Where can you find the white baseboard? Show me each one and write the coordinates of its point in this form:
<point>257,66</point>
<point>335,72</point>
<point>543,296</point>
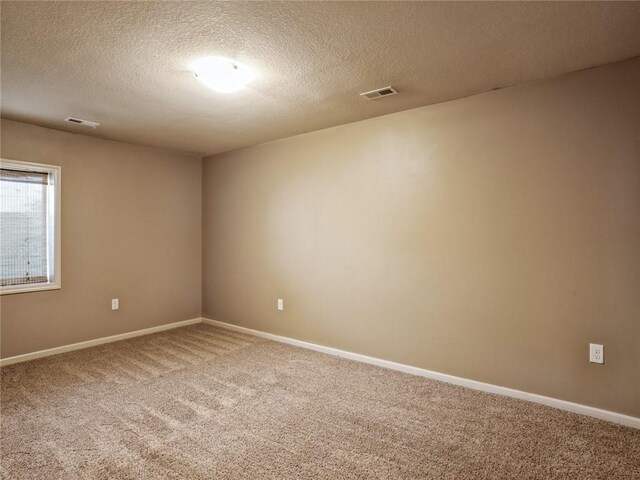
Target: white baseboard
<point>92,343</point>
<point>607,415</point>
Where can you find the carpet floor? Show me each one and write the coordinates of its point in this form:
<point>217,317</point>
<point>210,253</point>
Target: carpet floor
<point>204,403</point>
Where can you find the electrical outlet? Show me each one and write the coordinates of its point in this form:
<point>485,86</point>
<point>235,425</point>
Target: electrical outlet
<point>115,304</point>
<point>596,353</point>
<point>280,304</point>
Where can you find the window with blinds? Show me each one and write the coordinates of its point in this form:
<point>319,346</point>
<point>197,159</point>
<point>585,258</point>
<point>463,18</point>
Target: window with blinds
<point>29,230</point>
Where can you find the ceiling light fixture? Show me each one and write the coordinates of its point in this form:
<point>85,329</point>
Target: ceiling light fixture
<point>221,74</point>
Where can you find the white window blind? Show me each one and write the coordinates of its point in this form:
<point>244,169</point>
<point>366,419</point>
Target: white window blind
<point>27,226</point>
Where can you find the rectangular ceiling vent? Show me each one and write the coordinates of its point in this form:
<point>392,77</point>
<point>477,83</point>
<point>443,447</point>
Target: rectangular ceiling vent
<point>379,92</point>
<point>79,121</point>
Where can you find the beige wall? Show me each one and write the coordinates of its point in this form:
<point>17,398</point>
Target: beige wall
<point>131,229</point>
<point>491,237</point>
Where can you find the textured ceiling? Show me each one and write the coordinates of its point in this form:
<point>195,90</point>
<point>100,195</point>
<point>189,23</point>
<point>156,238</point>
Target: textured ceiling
<point>124,64</point>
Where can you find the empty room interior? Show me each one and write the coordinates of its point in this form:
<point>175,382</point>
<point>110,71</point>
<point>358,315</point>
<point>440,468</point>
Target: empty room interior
<point>320,240</point>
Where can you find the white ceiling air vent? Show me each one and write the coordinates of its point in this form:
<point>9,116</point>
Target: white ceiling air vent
<point>79,121</point>
<point>379,92</point>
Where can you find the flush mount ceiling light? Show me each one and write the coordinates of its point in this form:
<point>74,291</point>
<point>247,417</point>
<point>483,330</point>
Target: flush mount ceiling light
<point>221,74</point>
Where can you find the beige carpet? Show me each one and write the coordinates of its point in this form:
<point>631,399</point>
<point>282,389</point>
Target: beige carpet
<point>204,403</point>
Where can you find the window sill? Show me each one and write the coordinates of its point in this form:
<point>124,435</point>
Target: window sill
<point>29,288</point>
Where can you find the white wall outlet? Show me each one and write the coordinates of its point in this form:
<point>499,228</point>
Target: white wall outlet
<point>596,353</point>
<point>115,304</point>
<point>280,304</point>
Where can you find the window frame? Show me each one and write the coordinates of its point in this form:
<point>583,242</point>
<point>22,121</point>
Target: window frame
<point>53,203</point>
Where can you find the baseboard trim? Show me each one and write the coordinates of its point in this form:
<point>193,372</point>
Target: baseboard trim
<point>607,415</point>
<point>601,414</point>
<point>92,343</point>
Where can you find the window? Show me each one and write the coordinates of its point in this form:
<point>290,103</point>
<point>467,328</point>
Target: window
<point>29,227</point>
